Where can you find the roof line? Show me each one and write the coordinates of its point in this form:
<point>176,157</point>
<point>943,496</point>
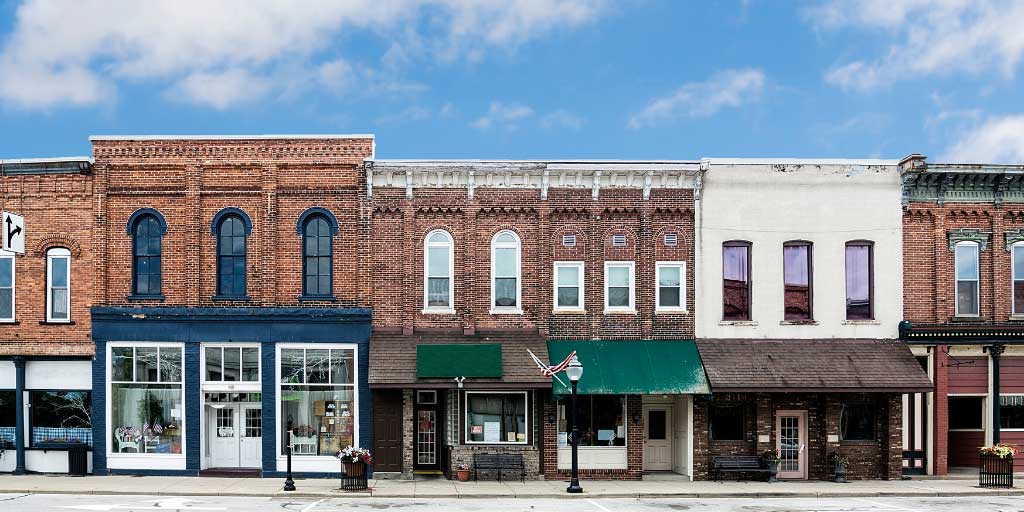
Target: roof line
<point>802,161</point>
<point>13,161</point>
<point>528,161</point>
<point>93,138</point>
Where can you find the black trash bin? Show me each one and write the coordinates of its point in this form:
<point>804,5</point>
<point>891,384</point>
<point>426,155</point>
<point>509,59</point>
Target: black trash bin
<point>78,460</point>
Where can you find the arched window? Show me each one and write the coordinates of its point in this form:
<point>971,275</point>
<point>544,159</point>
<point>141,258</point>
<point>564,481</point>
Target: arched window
<point>967,278</point>
<point>438,268</point>
<point>147,238</point>
<point>317,257</point>
<point>58,285</point>
<point>231,233</point>
<point>505,272</point>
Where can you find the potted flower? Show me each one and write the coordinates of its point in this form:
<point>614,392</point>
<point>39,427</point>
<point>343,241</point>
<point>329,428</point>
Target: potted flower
<point>839,464</point>
<point>772,459</point>
<point>462,472</point>
<point>996,465</point>
<point>354,460</point>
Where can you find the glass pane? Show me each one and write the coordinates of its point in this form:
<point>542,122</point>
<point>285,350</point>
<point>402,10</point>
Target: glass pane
<point>504,262</point>
<point>59,272</point>
<point>618,276</point>
<point>734,260</point>
<point>727,422</point>
<point>1018,297</point>
<point>967,297</point>
<point>600,419</point>
<point>7,303</point>
<point>291,366</point>
<point>967,261</point>
<point>121,362</point>
<point>6,272</point>
<point>317,366</point>
<point>437,292</point>
<point>656,425</point>
<point>311,246</point>
<point>324,268</point>
<point>618,297</point>
<point>232,363</point>
<point>437,238</point>
<point>857,422</point>
<point>324,245</point>
<point>496,418</point>
<point>669,297</point>
<point>213,364</point>
<point>60,417</point>
<point>796,264</point>
<point>858,282</point>
<point>438,261</point>
<point>966,412</point>
<point>568,276</point>
<point>324,285</point>
<point>238,245</point>
<point>154,245</point>
<point>568,297</point>
<point>668,276</point>
<point>342,367</point>
<point>320,418</point>
<point>311,284</point>
<point>312,266</point>
<point>250,364</point>
<point>505,238</point>
<point>59,306</point>
<point>146,364</point>
<point>505,292</point>
<point>146,418</point>
<point>170,364</point>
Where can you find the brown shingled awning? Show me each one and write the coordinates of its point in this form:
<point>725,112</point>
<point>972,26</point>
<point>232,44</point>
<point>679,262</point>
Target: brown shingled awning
<point>834,365</point>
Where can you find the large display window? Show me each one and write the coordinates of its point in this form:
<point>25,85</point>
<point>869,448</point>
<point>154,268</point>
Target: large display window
<point>146,406</point>
<point>496,417</point>
<point>60,418</point>
<point>600,418</point>
<point>317,398</point>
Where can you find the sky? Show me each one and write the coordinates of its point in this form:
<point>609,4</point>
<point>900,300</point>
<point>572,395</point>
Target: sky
<point>536,79</point>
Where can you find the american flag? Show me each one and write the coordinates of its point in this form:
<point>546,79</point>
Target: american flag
<point>553,370</point>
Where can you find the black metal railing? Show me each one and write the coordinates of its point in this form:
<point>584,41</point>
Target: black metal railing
<point>995,471</point>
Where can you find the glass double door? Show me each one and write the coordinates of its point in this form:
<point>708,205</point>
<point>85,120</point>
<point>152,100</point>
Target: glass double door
<point>235,435</point>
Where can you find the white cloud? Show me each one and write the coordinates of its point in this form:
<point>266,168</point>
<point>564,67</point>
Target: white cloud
<point>999,140</point>
<point>220,90</point>
<point>77,53</point>
<point>409,115</point>
<point>502,115</point>
<point>724,89</point>
<point>922,37</point>
<point>561,119</point>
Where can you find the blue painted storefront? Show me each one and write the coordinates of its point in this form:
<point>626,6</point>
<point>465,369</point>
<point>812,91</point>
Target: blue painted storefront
<point>195,326</point>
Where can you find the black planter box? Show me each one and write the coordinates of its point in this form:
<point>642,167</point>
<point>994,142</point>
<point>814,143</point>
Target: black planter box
<point>995,471</point>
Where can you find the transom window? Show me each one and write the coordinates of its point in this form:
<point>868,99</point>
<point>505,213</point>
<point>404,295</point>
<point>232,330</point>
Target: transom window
<point>232,364</point>
<point>505,272</point>
<point>619,290</point>
<point>568,285</point>
<point>146,254</point>
<point>58,285</point>
<point>438,268</point>
<point>736,281</point>
<point>671,291</point>
<point>859,280</point>
<point>1018,278</point>
<point>6,287</point>
<point>796,266</point>
<point>967,279</point>
<point>231,255</point>
<point>317,261</point>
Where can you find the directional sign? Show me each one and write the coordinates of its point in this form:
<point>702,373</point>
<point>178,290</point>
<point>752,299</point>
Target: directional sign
<point>14,232</point>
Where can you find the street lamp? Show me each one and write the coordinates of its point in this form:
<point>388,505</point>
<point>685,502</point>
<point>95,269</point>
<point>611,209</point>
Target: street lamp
<point>574,371</point>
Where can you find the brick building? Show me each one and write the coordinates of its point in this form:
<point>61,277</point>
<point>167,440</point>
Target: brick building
<point>45,293</point>
<point>472,263</point>
<point>963,250</point>
<point>228,309</point>
<point>799,283</point>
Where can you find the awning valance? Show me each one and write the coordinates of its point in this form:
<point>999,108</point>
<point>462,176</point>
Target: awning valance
<point>458,360</point>
<point>632,367</point>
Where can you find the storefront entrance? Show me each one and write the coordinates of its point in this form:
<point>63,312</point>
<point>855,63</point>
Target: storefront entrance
<point>427,431</point>
<point>658,437</point>
<point>234,431</point>
<point>791,441</point>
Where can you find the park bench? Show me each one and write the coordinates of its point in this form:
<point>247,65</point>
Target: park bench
<point>499,462</point>
<point>741,465</point>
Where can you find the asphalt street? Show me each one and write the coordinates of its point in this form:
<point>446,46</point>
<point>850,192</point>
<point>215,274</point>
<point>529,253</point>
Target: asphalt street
<point>69,503</point>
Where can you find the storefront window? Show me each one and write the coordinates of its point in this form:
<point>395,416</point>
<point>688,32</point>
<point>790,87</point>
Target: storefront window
<point>966,412</point>
<point>232,364</point>
<point>496,418</point>
<point>1011,411</point>
<point>8,409</point>
<point>318,401</point>
<point>146,399</point>
<point>600,419</point>
<point>727,422</point>
<point>61,417</point>
<point>857,422</point>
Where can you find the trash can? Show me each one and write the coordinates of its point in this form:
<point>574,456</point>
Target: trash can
<point>78,460</point>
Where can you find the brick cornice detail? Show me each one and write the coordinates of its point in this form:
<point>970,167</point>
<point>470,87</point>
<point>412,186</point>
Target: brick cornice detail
<point>61,240</point>
<point>968,235</point>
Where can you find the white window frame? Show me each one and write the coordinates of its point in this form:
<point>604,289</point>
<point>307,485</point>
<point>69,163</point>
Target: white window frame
<point>14,288</point>
<point>450,245</point>
<point>578,265</point>
<point>1013,299</point>
<point>52,254</point>
<point>234,385</point>
<point>465,413</point>
<point>518,246</point>
<point>156,458</point>
<point>681,265</point>
<point>956,278</point>
<point>1001,414</point>
<point>985,412</point>
<point>631,308</point>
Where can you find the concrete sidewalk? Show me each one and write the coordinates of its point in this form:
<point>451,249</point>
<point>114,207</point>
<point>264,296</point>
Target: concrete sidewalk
<point>207,486</point>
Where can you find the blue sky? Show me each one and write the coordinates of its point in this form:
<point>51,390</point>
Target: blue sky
<point>525,78</point>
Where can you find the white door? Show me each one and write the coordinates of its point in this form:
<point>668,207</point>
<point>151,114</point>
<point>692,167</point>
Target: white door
<point>658,438</point>
<point>224,437</point>
<point>791,441</point>
<point>251,442</point>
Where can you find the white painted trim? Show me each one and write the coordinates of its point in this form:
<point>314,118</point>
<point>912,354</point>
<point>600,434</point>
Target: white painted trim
<point>581,307</point>
<point>450,245</point>
<point>94,138</point>
<point>465,416</point>
<point>14,287</point>
<point>238,384</point>
<point>518,246</point>
<point>52,254</point>
<point>957,280</point>
<point>681,308</point>
<point>631,308</point>
<point>800,161</point>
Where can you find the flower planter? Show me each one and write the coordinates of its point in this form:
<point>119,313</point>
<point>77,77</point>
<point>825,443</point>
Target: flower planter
<point>839,473</point>
<point>462,475</point>
<point>995,471</point>
<point>773,471</point>
<point>354,468</point>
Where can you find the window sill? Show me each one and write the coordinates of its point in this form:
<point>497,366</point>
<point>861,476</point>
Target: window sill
<point>315,298</point>
<point>227,298</point>
<point>569,311</point>
<point>798,322</point>
<point>9,322</point>
<point>671,311</point>
<point>861,322</point>
<point>858,442</point>
<point>1016,318</point>
<point>738,323</point>
<point>160,298</point>
<point>509,311</point>
<point>56,322</point>
<point>967,318</point>
<point>437,311</point>
<point>619,311</point>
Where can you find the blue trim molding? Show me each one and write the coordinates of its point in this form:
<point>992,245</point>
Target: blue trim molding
<point>129,227</point>
<point>316,210</point>
<point>231,210</point>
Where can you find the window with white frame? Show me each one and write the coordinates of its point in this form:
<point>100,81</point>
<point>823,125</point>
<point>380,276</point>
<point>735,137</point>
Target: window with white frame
<point>505,272</point>
<point>146,407</point>
<point>1018,278</point>
<point>671,291</point>
<point>496,417</point>
<point>1011,412</point>
<point>318,398</point>
<point>6,287</point>
<point>568,285</point>
<point>619,292</point>
<point>232,364</point>
<point>438,269</point>
<point>58,285</point>
<point>967,279</point>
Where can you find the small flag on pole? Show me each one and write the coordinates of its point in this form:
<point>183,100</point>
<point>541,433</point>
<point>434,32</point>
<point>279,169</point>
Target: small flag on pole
<point>553,370</point>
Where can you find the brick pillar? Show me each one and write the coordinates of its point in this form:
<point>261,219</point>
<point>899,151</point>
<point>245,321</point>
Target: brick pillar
<point>634,437</point>
<point>765,422</point>
<point>894,448</point>
<point>408,421</point>
<point>469,295</point>
<point>940,427</point>
<point>645,272</point>
<point>701,434</point>
<point>832,412</point>
<point>195,220</point>
<point>409,243</point>
<point>549,462</point>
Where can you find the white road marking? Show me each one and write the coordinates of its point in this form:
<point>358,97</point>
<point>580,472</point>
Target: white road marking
<point>165,504</point>
<point>886,505</point>
<point>598,505</point>
<point>311,506</point>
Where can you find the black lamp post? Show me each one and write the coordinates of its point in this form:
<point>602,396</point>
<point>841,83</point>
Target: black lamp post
<point>574,371</point>
<point>289,484</point>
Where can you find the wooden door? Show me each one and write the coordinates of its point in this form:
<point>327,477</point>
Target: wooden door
<point>387,430</point>
<point>657,438</point>
<point>224,438</point>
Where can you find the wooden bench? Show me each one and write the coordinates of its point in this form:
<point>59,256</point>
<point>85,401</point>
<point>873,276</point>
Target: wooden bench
<point>739,464</point>
<point>499,462</point>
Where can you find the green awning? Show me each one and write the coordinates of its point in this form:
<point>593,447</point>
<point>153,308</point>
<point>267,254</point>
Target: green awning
<point>458,360</point>
<point>632,367</point>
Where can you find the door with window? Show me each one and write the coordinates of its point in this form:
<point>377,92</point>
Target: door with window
<point>791,441</point>
<point>250,444</point>
<point>427,431</point>
<point>224,438</point>
<point>657,438</point>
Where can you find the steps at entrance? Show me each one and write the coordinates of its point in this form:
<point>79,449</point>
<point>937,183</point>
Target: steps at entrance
<point>231,472</point>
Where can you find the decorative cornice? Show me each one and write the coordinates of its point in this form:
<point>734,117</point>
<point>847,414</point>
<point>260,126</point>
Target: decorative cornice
<point>1013,236</point>
<point>968,235</point>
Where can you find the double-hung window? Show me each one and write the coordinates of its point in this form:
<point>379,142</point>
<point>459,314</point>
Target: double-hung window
<point>58,285</point>
<point>796,270</point>
<point>147,239</point>
<point>859,280</point>
<point>670,294</point>
<point>6,287</point>
<point>506,273</point>
<point>438,269</point>
<point>619,289</point>
<point>1018,278</point>
<point>231,254</point>
<point>967,279</point>
<point>736,281</point>
<point>568,285</point>
<point>317,254</point>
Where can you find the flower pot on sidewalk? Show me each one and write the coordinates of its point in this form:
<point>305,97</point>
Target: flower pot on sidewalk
<point>839,464</point>
<point>996,466</point>
<point>354,468</point>
<point>462,475</point>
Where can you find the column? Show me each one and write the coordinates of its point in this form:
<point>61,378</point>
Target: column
<point>995,351</point>
<point>19,414</point>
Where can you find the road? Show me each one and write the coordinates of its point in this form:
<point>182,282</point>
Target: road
<point>70,503</point>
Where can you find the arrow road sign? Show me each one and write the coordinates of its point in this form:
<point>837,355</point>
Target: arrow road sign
<point>14,233</point>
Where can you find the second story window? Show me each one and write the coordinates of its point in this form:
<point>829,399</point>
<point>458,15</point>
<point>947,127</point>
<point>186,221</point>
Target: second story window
<point>317,258</point>
<point>619,292</point>
<point>58,285</point>
<point>231,257</point>
<point>7,288</point>
<point>736,281</point>
<point>670,295</point>
<point>859,281</point>
<point>1018,278</point>
<point>438,267</point>
<point>796,270</point>
<point>147,238</point>
<point>505,272</point>
<point>568,285</point>
<point>967,279</point>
